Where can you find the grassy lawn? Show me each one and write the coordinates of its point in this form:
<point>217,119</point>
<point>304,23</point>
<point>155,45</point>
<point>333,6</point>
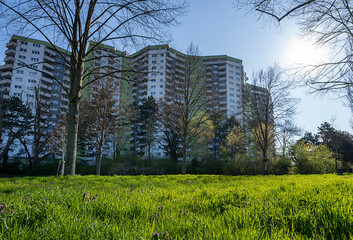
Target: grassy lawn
<point>177,207</point>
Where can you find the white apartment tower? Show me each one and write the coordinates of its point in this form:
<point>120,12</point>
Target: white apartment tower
<point>32,65</point>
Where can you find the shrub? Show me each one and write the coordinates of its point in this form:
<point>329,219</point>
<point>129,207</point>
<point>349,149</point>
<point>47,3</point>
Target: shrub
<point>281,166</point>
<point>309,158</point>
<point>242,166</point>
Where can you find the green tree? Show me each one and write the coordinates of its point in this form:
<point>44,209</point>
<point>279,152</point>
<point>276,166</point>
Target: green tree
<point>235,144</point>
<point>17,122</point>
<point>221,130</point>
<point>147,126</point>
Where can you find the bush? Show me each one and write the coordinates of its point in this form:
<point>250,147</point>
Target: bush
<point>242,166</point>
<point>281,166</point>
<point>310,159</point>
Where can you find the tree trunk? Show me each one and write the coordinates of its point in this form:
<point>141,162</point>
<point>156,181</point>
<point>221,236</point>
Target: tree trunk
<point>99,161</point>
<point>5,157</point>
<point>184,155</point>
<point>62,160</point>
<point>72,123</point>
<point>72,131</point>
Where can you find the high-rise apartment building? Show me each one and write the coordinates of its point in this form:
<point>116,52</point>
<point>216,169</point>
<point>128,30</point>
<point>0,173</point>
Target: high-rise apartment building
<point>35,71</point>
<point>32,64</point>
<point>158,68</point>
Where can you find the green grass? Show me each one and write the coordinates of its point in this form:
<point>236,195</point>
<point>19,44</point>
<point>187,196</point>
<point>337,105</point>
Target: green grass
<point>186,207</point>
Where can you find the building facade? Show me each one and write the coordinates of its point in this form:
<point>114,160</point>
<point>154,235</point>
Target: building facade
<point>36,72</point>
<point>32,65</point>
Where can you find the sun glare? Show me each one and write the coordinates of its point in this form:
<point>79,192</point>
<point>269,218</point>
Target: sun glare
<point>304,52</point>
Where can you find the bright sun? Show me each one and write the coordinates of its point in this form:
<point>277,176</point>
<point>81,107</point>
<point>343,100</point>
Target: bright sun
<point>304,52</point>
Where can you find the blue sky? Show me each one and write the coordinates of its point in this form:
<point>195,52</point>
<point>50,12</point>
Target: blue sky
<point>218,28</point>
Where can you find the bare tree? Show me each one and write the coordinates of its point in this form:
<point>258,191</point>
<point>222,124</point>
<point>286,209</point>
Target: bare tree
<point>99,116</point>
<point>266,104</point>
<point>57,142</point>
<point>43,124</point>
<point>76,23</point>
<point>287,130</point>
<point>188,107</point>
<point>330,23</point>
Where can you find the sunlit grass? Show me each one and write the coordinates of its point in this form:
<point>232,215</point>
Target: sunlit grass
<point>177,207</point>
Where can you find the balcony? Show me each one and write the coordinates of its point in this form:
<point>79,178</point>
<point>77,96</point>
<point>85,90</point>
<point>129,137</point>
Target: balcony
<point>45,87</point>
<point>8,66</point>
<point>5,81</point>
<point>7,74</point>
<point>9,59</point>
<point>222,90</point>
<point>41,93</point>
<point>46,79</point>
<point>10,52</point>
<point>11,45</point>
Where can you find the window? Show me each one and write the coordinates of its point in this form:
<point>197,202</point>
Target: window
<point>162,55</point>
<point>35,59</point>
<point>17,94</point>
<point>55,101</point>
<point>33,66</point>
<point>153,68</point>
<point>231,72</point>
<point>53,108</point>
<point>30,88</point>
<point>231,83</point>
<point>237,73</point>
<point>36,52</point>
<point>238,84</point>
<point>154,55</point>
<point>161,86</point>
<point>22,57</point>
<point>153,80</point>
<point>231,95</point>
<point>21,64</point>
<point>162,61</point>
<point>231,100</point>
<point>32,81</point>
<point>162,73</point>
<point>153,93</point>
<point>23,50</point>
<point>238,96</point>
<point>20,71</point>
<point>36,45</point>
<point>18,86</point>
<point>230,77</point>
<point>154,61</point>
<point>32,73</point>
<point>19,79</point>
<point>24,43</point>
<point>30,95</point>
<point>232,106</point>
<point>161,93</point>
<point>55,95</point>
<point>56,87</point>
<point>238,90</point>
<point>153,86</point>
<point>231,89</point>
